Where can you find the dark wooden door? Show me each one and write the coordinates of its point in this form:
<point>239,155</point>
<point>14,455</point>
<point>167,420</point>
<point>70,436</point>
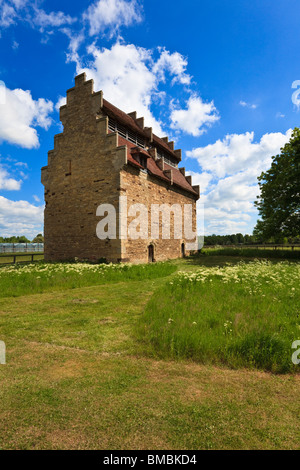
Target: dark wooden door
<point>150,253</point>
<point>182,250</point>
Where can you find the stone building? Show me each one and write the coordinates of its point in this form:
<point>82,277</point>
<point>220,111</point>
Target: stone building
<point>102,154</point>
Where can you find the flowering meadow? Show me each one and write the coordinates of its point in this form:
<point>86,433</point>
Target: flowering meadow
<point>243,315</point>
<point>81,366</point>
<point>16,280</point>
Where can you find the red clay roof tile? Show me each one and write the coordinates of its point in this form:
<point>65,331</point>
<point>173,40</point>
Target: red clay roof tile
<point>178,178</point>
<point>116,113</point>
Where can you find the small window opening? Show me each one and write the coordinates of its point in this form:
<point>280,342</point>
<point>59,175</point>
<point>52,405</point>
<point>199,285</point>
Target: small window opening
<point>69,168</point>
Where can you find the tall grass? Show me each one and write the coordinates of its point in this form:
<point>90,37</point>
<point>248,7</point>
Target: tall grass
<point>245,315</point>
<point>252,253</point>
<point>39,277</point>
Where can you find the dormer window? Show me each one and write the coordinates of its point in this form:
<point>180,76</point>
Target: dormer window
<point>141,159</point>
<point>167,158</point>
<point>140,156</point>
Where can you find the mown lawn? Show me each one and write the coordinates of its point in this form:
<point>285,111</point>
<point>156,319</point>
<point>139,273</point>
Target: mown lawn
<point>78,376</point>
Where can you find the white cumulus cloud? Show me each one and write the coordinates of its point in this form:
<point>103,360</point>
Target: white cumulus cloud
<point>129,76</point>
<point>124,74</point>
<point>112,14</point>
<point>60,102</point>
<point>7,14</point>
<point>53,19</point>
<point>173,63</point>
<point>20,218</point>
<point>7,183</point>
<point>20,114</point>
<point>204,180</point>
<point>15,11</point>
<point>234,164</point>
<point>239,151</point>
<point>195,119</point>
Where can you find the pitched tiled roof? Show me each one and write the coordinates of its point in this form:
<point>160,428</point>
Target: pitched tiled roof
<point>178,178</point>
<point>130,145</point>
<point>120,116</point>
<point>115,113</point>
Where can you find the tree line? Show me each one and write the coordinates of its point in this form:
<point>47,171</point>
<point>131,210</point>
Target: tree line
<point>279,200</point>
<point>240,239</point>
<point>22,239</point>
<point>278,204</point>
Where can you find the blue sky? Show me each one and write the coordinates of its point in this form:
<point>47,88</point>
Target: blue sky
<point>215,76</point>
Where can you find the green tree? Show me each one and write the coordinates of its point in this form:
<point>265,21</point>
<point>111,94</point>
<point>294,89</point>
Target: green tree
<point>15,239</point>
<point>38,239</point>
<point>279,202</point>
<point>22,239</point>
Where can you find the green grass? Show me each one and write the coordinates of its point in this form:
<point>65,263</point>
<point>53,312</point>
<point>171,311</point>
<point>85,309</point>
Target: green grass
<point>252,253</point>
<point>247,315</point>
<point>41,277</point>
<point>78,377</point>
<point>8,258</point>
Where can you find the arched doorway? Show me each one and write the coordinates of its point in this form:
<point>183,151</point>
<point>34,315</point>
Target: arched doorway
<point>150,253</point>
<point>182,250</point>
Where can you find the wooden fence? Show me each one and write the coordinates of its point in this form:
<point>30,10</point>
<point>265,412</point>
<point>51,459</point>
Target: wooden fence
<point>13,258</point>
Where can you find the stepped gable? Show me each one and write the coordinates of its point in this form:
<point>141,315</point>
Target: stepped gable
<point>101,154</point>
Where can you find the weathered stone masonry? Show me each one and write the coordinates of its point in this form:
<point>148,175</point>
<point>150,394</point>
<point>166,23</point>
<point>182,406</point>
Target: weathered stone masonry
<point>101,154</point>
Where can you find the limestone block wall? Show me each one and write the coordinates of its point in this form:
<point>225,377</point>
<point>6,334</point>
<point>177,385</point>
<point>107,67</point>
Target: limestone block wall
<point>141,188</point>
<point>87,168</point>
<point>83,171</point>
